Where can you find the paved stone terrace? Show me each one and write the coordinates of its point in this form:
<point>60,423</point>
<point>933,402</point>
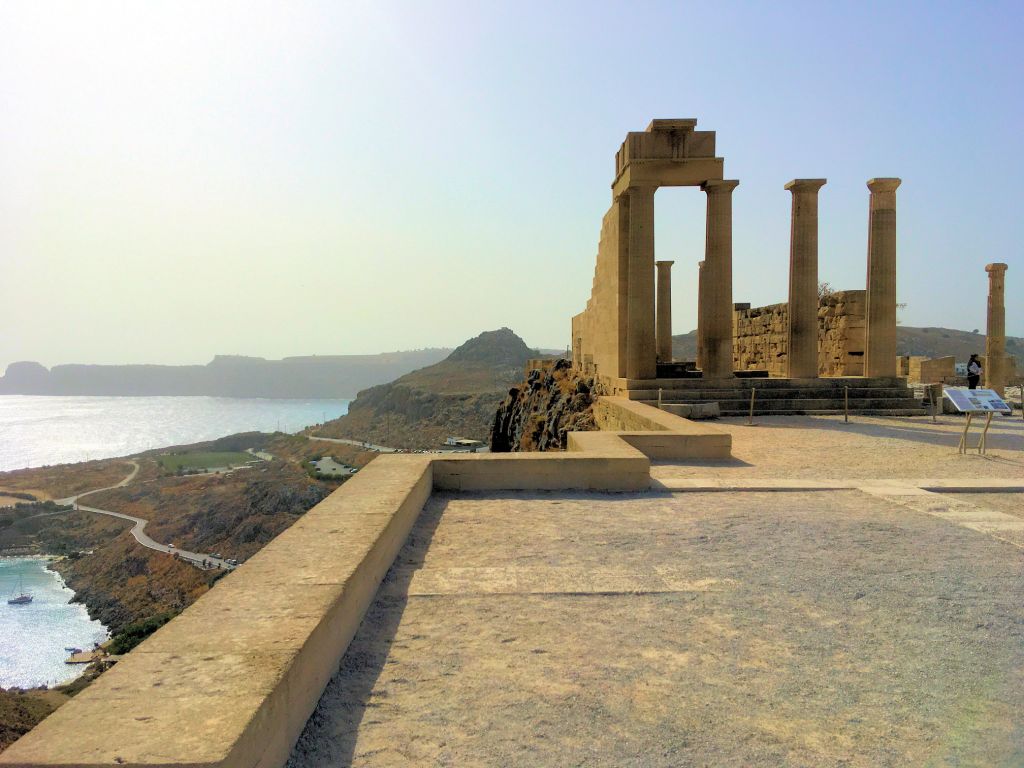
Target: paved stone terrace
<point>803,629</point>
<point>824,447</point>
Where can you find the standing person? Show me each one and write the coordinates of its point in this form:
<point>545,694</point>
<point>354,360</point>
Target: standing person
<point>973,372</point>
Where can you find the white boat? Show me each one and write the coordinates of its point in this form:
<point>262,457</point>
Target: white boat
<point>23,597</point>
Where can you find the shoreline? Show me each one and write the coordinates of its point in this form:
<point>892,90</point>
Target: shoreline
<point>47,561</point>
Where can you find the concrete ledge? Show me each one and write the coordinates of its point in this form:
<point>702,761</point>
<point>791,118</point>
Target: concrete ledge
<point>599,463</point>
<point>659,434</point>
<point>232,681</point>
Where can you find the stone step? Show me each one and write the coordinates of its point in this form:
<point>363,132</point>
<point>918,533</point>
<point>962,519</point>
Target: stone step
<point>834,412</point>
<point>807,404</point>
<point>764,383</point>
<point>696,395</point>
<point>732,410</point>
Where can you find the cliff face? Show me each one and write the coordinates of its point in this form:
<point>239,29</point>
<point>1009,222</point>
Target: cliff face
<point>224,376</point>
<point>455,397</point>
<point>538,413</point>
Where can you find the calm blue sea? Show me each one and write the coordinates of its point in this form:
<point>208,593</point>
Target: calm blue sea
<point>55,430</point>
<point>33,637</point>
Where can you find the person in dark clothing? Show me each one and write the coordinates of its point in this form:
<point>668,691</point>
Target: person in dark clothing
<point>973,372</point>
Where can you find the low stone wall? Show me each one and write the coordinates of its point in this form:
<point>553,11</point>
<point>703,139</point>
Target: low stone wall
<point>232,681</point>
<point>659,434</point>
<point>761,343</point>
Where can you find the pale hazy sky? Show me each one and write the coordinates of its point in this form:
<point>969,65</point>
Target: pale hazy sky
<point>183,179</point>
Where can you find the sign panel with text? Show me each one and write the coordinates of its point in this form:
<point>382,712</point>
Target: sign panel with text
<point>976,400</point>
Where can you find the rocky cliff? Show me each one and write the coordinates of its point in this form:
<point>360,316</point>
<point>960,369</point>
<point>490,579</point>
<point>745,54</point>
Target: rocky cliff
<point>539,412</point>
<point>455,397</point>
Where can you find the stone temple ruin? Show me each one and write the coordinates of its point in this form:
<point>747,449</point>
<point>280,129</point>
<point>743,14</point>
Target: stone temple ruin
<point>800,356</point>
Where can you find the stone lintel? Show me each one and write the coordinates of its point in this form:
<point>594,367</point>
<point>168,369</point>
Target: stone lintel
<point>673,124</point>
<point>997,267</point>
<point>805,185</point>
<point>686,172</point>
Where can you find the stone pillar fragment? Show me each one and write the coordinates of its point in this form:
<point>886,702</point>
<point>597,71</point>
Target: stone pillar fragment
<point>663,325</point>
<point>880,347</point>
<point>701,309</point>
<point>802,331</point>
<point>716,298</point>
<point>995,331</point>
<point>640,337</point>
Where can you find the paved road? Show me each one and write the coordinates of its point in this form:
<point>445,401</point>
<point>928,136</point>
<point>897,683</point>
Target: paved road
<point>359,443</point>
<point>139,529</point>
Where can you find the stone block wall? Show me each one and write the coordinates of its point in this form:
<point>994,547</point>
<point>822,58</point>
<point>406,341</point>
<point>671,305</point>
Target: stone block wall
<point>599,332</point>
<point>760,336</point>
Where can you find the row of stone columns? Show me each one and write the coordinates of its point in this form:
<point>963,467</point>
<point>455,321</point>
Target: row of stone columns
<point>649,335</point>
<point>880,348</point>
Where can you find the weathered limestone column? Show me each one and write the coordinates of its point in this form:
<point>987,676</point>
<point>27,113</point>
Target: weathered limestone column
<point>717,332</point>
<point>802,346</point>
<point>640,338</point>
<point>701,308</point>
<point>880,346</point>
<point>663,325</point>
<point>995,331</point>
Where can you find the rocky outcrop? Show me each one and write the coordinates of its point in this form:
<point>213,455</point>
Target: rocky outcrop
<point>453,398</point>
<point>539,413</point>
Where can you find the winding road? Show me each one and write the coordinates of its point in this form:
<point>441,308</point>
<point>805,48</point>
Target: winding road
<point>139,529</point>
<point>358,443</point>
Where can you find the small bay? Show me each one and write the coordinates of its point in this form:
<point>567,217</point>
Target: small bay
<point>33,637</point>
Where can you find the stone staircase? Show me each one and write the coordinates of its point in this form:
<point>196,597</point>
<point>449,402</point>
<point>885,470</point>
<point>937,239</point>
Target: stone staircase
<point>787,397</point>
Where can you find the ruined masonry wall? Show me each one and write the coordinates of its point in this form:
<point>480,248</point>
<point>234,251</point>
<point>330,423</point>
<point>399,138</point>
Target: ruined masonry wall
<point>599,332</point>
<point>760,336</point>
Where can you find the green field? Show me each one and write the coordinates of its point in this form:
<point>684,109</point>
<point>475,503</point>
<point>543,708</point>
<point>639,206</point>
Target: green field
<point>173,462</point>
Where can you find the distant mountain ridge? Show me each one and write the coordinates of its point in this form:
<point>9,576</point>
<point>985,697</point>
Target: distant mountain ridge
<point>455,397</point>
<point>329,376</point>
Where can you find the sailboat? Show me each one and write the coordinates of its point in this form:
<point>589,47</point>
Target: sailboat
<point>23,597</point>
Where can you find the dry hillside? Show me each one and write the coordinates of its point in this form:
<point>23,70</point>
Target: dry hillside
<point>456,397</point>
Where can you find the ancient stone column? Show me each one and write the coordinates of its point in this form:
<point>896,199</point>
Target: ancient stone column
<point>700,315</point>
<point>802,332</point>
<point>716,330</point>
<point>663,325</point>
<point>880,342</point>
<point>640,338</point>
<point>995,331</point>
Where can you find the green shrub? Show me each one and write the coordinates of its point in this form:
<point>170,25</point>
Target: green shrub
<point>135,633</point>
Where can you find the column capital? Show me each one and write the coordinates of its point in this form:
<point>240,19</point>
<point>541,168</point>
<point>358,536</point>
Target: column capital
<point>805,185</point>
<point>997,267</point>
<point>638,189</point>
<point>719,186</point>
<point>664,263</point>
<point>883,184</point>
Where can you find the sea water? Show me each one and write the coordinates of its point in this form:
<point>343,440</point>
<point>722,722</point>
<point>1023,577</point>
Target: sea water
<point>38,430</point>
<point>33,637</point>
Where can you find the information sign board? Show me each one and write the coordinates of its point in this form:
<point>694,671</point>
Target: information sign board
<point>976,400</point>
